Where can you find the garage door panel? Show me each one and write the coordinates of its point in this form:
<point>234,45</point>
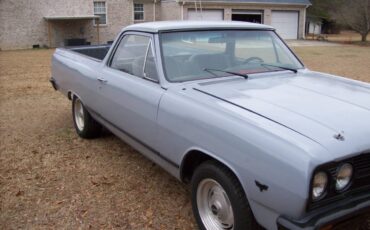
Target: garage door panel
<point>214,15</point>
<point>286,23</point>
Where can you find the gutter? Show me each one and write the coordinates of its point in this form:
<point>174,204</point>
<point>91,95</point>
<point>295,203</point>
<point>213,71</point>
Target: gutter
<point>244,3</point>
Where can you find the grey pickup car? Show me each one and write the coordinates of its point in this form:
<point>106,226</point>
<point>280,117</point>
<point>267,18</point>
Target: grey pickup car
<point>228,108</point>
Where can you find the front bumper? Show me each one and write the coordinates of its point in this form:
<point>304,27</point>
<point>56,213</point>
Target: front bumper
<point>328,216</point>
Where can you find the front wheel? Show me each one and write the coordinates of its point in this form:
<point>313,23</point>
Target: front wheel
<point>84,123</point>
<point>218,200</point>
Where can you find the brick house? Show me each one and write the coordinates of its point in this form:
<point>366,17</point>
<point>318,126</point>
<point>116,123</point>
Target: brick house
<point>54,23</point>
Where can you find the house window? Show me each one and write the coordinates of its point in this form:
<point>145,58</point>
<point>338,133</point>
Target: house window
<point>101,11</point>
<point>138,11</point>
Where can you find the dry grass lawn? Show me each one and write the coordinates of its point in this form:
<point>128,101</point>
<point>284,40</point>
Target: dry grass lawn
<point>345,36</point>
<point>344,60</point>
<point>50,178</point>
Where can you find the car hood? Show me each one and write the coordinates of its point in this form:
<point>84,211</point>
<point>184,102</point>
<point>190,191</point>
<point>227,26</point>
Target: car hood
<point>324,108</point>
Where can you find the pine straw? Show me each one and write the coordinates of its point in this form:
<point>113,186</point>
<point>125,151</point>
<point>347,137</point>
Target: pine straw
<point>50,178</point>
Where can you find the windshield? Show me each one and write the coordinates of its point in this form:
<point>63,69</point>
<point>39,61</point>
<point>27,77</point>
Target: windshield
<point>188,54</point>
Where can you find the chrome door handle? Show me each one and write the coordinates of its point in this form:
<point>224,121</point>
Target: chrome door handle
<point>102,80</point>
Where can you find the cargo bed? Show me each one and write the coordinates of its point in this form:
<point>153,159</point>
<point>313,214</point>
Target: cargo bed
<point>97,52</point>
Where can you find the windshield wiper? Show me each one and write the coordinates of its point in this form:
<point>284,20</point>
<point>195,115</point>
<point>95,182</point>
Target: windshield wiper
<point>224,71</point>
<point>281,67</point>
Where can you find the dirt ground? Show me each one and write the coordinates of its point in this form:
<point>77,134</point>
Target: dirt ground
<point>50,178</point>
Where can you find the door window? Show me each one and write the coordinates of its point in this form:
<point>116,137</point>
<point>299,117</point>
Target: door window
<point>150,70</point>
<point>134,56</point>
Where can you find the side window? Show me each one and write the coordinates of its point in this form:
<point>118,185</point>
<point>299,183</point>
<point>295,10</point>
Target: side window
<point>150,70</point>
<point>130,55</point>
<point>134,55</point>
<point>282,55</point>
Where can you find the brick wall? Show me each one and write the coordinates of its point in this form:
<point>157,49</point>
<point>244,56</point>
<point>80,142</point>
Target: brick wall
<point>23,23</point>
<point>170,10</point>
<point>119,14</point>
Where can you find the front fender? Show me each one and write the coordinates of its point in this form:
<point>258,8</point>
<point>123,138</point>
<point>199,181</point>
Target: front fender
<point>255,149</point>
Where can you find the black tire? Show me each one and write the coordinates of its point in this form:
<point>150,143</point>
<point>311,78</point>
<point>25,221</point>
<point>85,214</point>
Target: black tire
<point>243,216</point>
<point>91,128</point>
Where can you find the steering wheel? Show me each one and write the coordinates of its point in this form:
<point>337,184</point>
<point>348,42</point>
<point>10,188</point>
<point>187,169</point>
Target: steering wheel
<point>251,59</point>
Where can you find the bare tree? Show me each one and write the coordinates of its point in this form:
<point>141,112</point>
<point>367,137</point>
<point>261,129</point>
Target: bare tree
<point>353,13</point>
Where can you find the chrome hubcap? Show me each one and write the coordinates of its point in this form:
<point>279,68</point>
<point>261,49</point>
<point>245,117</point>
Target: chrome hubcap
<point>214,206</point>
<point>79,114</point>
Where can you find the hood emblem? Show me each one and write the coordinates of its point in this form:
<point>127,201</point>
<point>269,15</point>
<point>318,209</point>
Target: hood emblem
<point>339,136</point>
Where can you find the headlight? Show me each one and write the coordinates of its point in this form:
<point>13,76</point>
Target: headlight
<point>344,176</point>
<point>319,184</point>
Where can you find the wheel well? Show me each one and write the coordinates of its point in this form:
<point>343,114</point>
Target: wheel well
<point>195,158</point>
<point>191,161</point>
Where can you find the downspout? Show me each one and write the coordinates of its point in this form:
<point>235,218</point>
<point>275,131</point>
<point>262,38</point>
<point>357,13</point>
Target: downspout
<point>49,32</point>
<point>196,7</point>
<point>155,1</point>
<point>182,10</point>
<point>201,10</point>
<point>304,22</point>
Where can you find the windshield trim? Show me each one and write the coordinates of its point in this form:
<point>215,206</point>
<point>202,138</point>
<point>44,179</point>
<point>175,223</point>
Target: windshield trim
<point>219,29</point>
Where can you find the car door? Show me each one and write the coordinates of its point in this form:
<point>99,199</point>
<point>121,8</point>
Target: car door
<point>129,90</point>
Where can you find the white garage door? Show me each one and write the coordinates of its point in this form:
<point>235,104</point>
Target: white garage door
<point>206,15</point>
<point>286,23</point>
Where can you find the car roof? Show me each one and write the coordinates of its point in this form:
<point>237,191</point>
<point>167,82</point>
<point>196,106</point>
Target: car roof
<point>155,27</point>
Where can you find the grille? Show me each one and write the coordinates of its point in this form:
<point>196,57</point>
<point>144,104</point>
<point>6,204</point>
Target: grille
<point>362,166</point>
<point>360,183</point>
